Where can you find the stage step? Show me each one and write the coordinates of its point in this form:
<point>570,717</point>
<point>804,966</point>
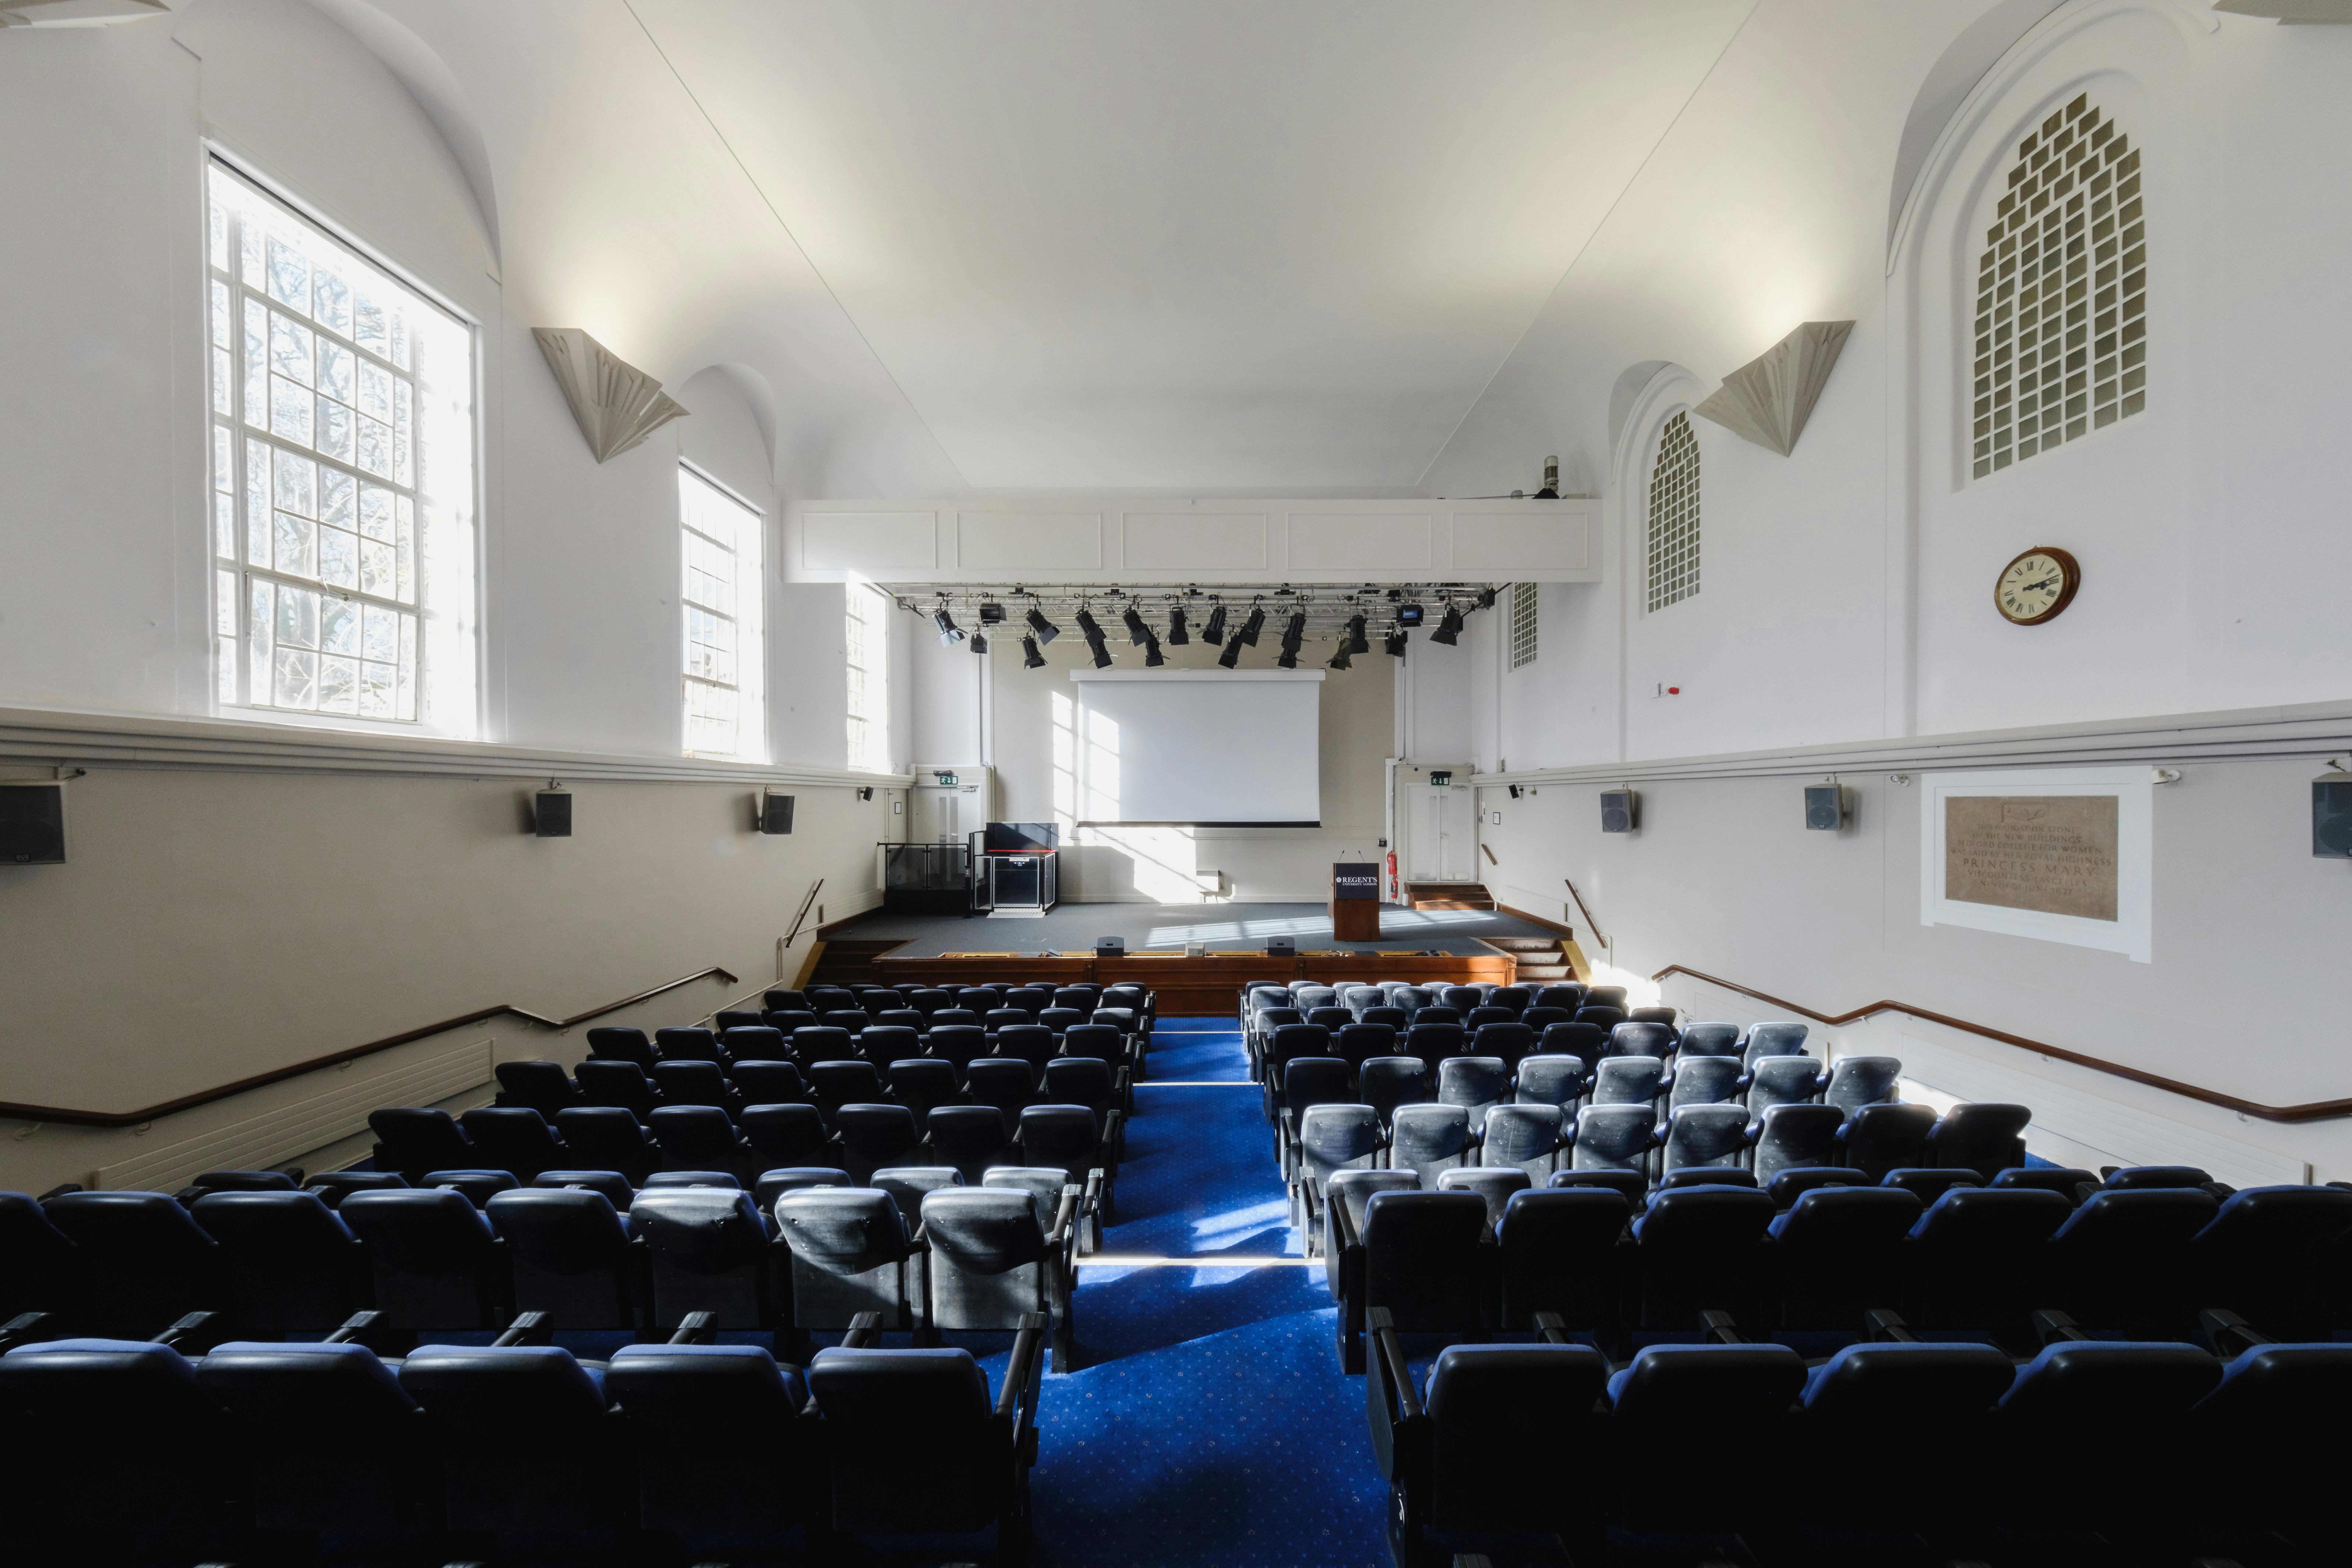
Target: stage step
<point>1544,973</point>
<point>850,963</point>
<point>1447,896</point>
<point>1524,943</point>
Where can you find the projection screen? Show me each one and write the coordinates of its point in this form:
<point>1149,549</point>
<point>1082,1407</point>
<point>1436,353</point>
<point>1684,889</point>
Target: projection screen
<point>1198,748</point>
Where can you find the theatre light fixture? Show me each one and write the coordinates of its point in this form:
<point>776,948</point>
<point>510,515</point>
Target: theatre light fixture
<point>1176,633</point>
<point>1340,658</point>
<point>979,643</point>
<point>1287,658</point>
<point>950,633</point>
<point>1046,630</point>
<point>1233,654</point>
<point>1030,658</point>
<point>1214,632</point>
<point>1102,655</point>
<point>1137,632</point>
<point>1152,657</point>
<point>1356,642</point>
<point>1252,627</point>
<point>1394,642</point>
<point>1450,627</point>
<point>1294,632</point>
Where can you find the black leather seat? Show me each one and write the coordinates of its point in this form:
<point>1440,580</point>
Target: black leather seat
<point>822,1042</point>
<point>75,1491</point>
<point>1793,1136</point>
<point>2271,1400</point>
<point>1885,1137</point>
<point>1744,1388</point>
<point>1703,1137</point>
<point>700,1138</point>
<point>621,1044</point>
<point>342,1402</point>
<point>1290,1042</point>
<point>960,1045</point>
<point>2076,1386</point>
<point>995,1259</point>
<point>1560,1250</point>
<point>1631,1039</point>
<point>833,1084</point>
<point>783,1134</point>
<point>1546,1080</point>
<point>1696,1040</point>
<point>1069,1138</point>
<point>922,1085</point>
<point>1331,1138</point>
<point>727,1018</point>
<point>570,1253</point>
<point>851,1252</point>
<point>708,1252</point>
<point>1357,1044</point>
<point>2273,1255</point>
<point>1527,1136</point>
<point>1984,1138</point>
<point>1386,1082</point>
<point>1031,1043</point>
<point>437,1264</point>
<point>694,1082</point>
<point>780,999</point>
<point>612,1183</point>
<point>688,1045</point>
<point>1477,1018</point>
<point>1429,1141</point>
<point>766,1081</point>
<point>718,1439</point>
<point>1980,1259</point>
<point>1495,1187</point>
<point>1616,1138</point>
<point>1088,1082</point>
<point>40,1270</point>
<point>514,1424</point>
<point>1434,1043</point>
<point>1423,1262</point>
<point>883,1043</point>
<point>331,1187</point>
<point>293,1266</point>
<point>1698,1249</point>
<point>616,1086</point>
<point>608,1138</point>
<point>1510,1041</point>
<point>2120,1262</point>
<point>789,1021</point>
<point>1836,1253</point>
<point>540,1085</point>
<point>476,1182</point>
<point>514,1139</point>
<point>1476,1084</point>
<point>972,1137</point>
<point>1896,1412</point>
<point>413,1140</point>
<point>872,1136</point>
<point>1928,1182</point>
<point>150,1264</point>
<point>1857,1081</point>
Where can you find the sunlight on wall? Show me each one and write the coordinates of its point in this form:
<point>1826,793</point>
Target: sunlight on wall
<point>1066,767</point>
<point>1164,858</point>
<point>1641,990</point>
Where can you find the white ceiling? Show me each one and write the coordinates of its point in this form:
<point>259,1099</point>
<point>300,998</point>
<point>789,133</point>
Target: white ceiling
<point>1191,245</point>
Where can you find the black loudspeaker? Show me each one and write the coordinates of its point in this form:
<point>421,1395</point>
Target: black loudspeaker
<point>2331,818</point>
<point>1621,811</point>
<point>551,815</point>
<point>32,824</point>
<point>1110,947</point>
<point>775,813</point>
<point>1281,947</point>
<point>1824,807</point>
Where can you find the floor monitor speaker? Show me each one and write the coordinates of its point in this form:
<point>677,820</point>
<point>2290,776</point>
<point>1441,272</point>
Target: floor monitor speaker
<point>1281,947</point>
<point>1110,947</point>
<point>551,814</point>
<point>32,824</point>
<point>1621,811</point>
<point>2331,818</point>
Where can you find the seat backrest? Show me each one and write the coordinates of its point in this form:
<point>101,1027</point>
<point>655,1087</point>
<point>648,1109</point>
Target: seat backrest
<point>972,1137</point>
<point>1412,998</point>
<point>922,1084</point>
<point>836,1084</point>
<point>621,1043</point>
<point>718,1437</point>
<point>1428,1139</point>
<point>1985,1138</point>
<point>1602,1018</point>
<point>1316,1080</point>
<point>1460,998</point>
<point>1699,1135</point>
<point>1611,1137</point>
<point>292,1265</point>
<point>1568,997</point>
<point>1843,1224</point>
<point>1437,1013</point>
<point>1557,1245</point>
<point>606,1138</point>
<point>1065,1136</point>
<point>960,1043</point>
<point>884,1043</point>
<point>1510,1040</point>
<point>340,1397</point>
<point>1007,1083</point>
<point>435,1259</point>
<point>1386,1082</point>
<point>1708,1040</point>
<point>1550,1080</point>
<point>727,1018</point>
<point>476,1184</point>
<point>1082,1080</point>
<point>850,1020</point>
<point>1517,999</point>
<point>417,1138</point>
<point>1033,1043</point>
<point>1605,996</point>
<point>620,1085</point>
<point>514,1139</point>
<point>1475,1083</point>
<point>783,1134</point>
<point>842,1231</point>
<point>1522,1135</point>
<point>43,1272</point>
<point>613,1186</point>
<point>1775,1039</point>
<point>1497,1184</point>
<point>1640,1041</point>
<point>1477,1018</point>
<point>66,1400</point>
<point>1434,1042</point>
<point>910,1438</point>
<point>790,1023</point>
<point>872,1135</point>
<point>1628,1080</point>
<point>1583,1041</point>
<point>1930,1181</point>
<point>569,1249</point>
<point>2270,1255</point>
<point>697,1138</point>
<point>780,1001</point>
<point>1940,1391</point>
<point>534,1407</point>
<point>1030,999</point>
<point>1338,1137</point>
<point>1790,1137</point>
<point>1306,998</point>
<point>767,1083</point>
<point>1704,1080</point>
<point>1332,1017</point>
<point>982,1231</point>
<point>1748,1388</point>
<point>1542,1018</point>
<point>687,1044</point>
<point>1421,1258</point>
<point>754,1043</point>
<point>1358,997</point>
<point>2066,1181</point>
<point>2147,1390</point>
<point>1883,1138</point>
<point>1782,1080</point>
<point>709,1253</point>
<point>2127,1178</point>
<point>822,1043</point>
<point>1352,1189</point>
<point>544,1087</point>
<point>149,1263</point>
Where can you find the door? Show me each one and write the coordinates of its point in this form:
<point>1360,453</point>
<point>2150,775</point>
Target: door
<point>936,812</point>
<point>1441,834</point>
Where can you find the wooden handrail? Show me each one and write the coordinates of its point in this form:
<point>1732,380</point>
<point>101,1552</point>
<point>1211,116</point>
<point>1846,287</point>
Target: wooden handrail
<point>73,1118</point>
<point>2311,1110</point>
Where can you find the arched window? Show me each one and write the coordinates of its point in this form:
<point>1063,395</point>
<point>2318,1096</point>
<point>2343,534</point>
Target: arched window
<point>2062,300</point>
<point>1673,515</point>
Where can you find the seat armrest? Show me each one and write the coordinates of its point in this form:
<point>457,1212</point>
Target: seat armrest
<point>2052,1326</point>
<point>1066,1216</point>
<point>2231,1334</point>
<point>1552,1328</point>
<point>1720,1329</point>
<point>865,1333</point>
<point>1341,1225</point>
<point>696,1329</point>
<point>369,1328</point>
<point>528,1329</point>
<point>30,1327</point>
<point>1379,1327</point>
<point>195,1333</point>
<point>1017,1398</point>
<point>1887,1327</point>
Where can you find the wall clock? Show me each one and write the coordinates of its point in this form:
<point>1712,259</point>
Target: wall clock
<point>2037,586</point>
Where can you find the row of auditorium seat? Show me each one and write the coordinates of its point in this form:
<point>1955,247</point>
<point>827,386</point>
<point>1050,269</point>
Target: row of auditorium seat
<point>255,1442</point>
<point>2163,1448</point>
<point>1700,1048</point>
<point>1030,996</point>
<point>811,1250</point>
<point>1486,1251</point>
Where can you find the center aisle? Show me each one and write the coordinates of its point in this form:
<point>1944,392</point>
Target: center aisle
<point>1210,1423</point>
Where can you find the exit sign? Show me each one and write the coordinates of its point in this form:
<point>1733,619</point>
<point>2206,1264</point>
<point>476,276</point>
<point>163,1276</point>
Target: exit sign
<point>1440,779</point>
<point>944,778</point>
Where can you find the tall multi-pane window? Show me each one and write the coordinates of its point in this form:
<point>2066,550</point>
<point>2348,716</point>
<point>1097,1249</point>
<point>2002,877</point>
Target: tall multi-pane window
<point>1673,515</point>
<point>2060,293</point>
<point>343,477</point>
<point>1524,598</point>
<point>721,599</point>
<point>868,645</point>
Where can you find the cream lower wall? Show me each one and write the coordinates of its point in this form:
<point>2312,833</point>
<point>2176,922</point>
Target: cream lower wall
<point>2246,995</point>
<point>211,926</point>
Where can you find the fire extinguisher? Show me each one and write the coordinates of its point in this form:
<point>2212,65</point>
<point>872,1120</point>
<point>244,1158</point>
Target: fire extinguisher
<point>1393,881</point>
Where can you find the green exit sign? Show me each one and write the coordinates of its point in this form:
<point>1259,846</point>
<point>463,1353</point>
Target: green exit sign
<point>944,778</point>
<point>1440,779</point>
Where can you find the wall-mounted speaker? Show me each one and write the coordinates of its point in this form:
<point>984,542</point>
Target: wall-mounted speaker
<point>2331,818</point>
<point>775,813</point>
<point>32,824</point>
<point>1621,811</point>
<point>551,815</point>
<point>1824,807</point>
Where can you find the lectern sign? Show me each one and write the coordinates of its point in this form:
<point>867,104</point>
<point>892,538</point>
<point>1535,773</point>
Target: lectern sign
<point>1349,881</point>
<point>2051,853</point>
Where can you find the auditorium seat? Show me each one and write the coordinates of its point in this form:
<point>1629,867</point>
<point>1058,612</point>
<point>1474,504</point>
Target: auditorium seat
<point>1605,996</point>
<point>40,1270</point>
<point>1412,999</point>
<point>617,1085</point>
<point>995,1262</point>
<point>972,1137</point>
<point>2270,1400</point>
<point>614,1187</point>
<point>1007,1083</point>
<point>1428,1139</point>
<point>1793,1136</point>
<point>2132,1178</point>
<point>543,1087</point>
<point>1697,1248</point>
<point>917,1445</point>
<point>1069,1138</point>
<point>1568,997</point>
<point>1629,1080</point>
<point>1101,1042</point>
<point>1703,1137</point>
<point>1704,1080</point>
<point>1610,1138</point>
<point>833,1084</point>
<point>1477,1084</point>
<point>717,1439</point>
<point>606,1138</point>
<point>437,1265</point>
<point>851,1021</point>
<point>754,1043</point>
<point>1030,999</point>
<point>1457,1459</point>
<point>204,1182</point>
<point>332,1188</point>
<point>783,1134</point>
<point>2074,1387</point>
<point>621,1044</point>
<point>515,1140</point>
<point>2068,1183</point>
<point>1985,1138</point>
<point>1781,1080</point>
<point>1511,1041</point>
<point>1631,1039</point>
<point>1708,1041</point>
<point>851,1251</point>
<point>1421,1261</point>
<point>1774,1040</point>
<point>1331,1138</point>
<point>1437,1013</point>
<point>962,1018</point>
<point>1031,1043</point>
<point>1928,1182</point>
<point>1602,1018</point>
<point>1357,1044</point>
<point>1357,998</point>
<point>700,1138</point>
<point>901,1022</point>
<point>790,1022</point>
<point>998,1019</point>
<point>1632,1185</point>
<point>2273,1256</point>
<point>1797,1181</point>
<point>1836,1253</point>
<point>514,1424</point>
<point>822,1042</point>
<point>1477,1018</point>
<point>1342,1255</point>
<point>708,1252</point>
<point>1060,1020</point>
<point>1882,1138</point>
<point>823,999</point>
<point>762,1081</point>
<point>1938,1398</point>
<point>922,1084</point>
<point>1558,1251</point>
<point>727,1179</point>
<point>342,1402</point>
<point>1088,1081</point>
<point>1527,1136</point>
<point>569,1251</point>
<point>1980,1260</point>
<point>1743,1389</point>
<point>149,1262</point>
<point>1333,1018</point>
<point>773,1185</point>
<point>780,999</point>
<point>2120,1262</point>
<point>1585,1042</point>
<point>958,1045</point>
<point>908,1185</point>
<point>1433,1043</point>
<point>871,1136</point>
<point>107,1438</point>
<point>1550,1079</point>
<point>1305,1081</point>
<point>727,1018</point>
<point>1496,1184</point>
<point>1539,1020</point>
<point>688,1045</point>
<point>413,1139</point>
<point>1386,1082</point>
<point>293,1266</point>
<point>1309,996</point>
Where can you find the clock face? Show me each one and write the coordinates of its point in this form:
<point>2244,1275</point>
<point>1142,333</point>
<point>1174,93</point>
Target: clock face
<point>2037,586</point>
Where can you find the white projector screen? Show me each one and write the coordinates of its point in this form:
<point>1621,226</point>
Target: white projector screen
<point>1198,748</point>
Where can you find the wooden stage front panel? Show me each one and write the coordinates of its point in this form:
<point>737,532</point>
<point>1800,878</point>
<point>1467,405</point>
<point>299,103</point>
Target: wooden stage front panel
<point>1205,987</point>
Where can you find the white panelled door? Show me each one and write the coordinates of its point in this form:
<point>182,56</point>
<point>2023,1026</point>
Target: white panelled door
<point>1441,834</point>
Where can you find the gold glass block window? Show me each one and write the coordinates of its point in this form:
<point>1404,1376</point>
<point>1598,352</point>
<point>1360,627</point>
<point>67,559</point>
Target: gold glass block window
<point>1673,515</point>
<point>2062,293</point>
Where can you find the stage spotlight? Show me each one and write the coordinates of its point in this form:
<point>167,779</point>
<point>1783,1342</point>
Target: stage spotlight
<point>1047,630</point>
<point>991,612</point>
<point>1152,657</point>
<point>950,633</point>
<point>1088,627</point>
<point>1137,632</point>
<point>1486,598</point>
<point>1287,658</point>
<point>1356,642</point>
<point>1102,654</point>
<point>1450,627</point>
<point>979,643</point>
<point>1232,656</point>
<point>1294,632</point>
<point>1251,627</point>
<point>1340,658</point>
<point>1394,644</point>
<point>1176,633</point>
<point>1214,632</point>
<point>1030,658</point>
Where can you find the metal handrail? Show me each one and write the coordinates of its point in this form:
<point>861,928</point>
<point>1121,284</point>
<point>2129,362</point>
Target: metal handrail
<point>69,1117</point>
<point>2311,1110</point>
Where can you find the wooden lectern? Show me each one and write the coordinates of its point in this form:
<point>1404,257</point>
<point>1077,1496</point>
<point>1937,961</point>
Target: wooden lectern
<point>1355,902</point>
